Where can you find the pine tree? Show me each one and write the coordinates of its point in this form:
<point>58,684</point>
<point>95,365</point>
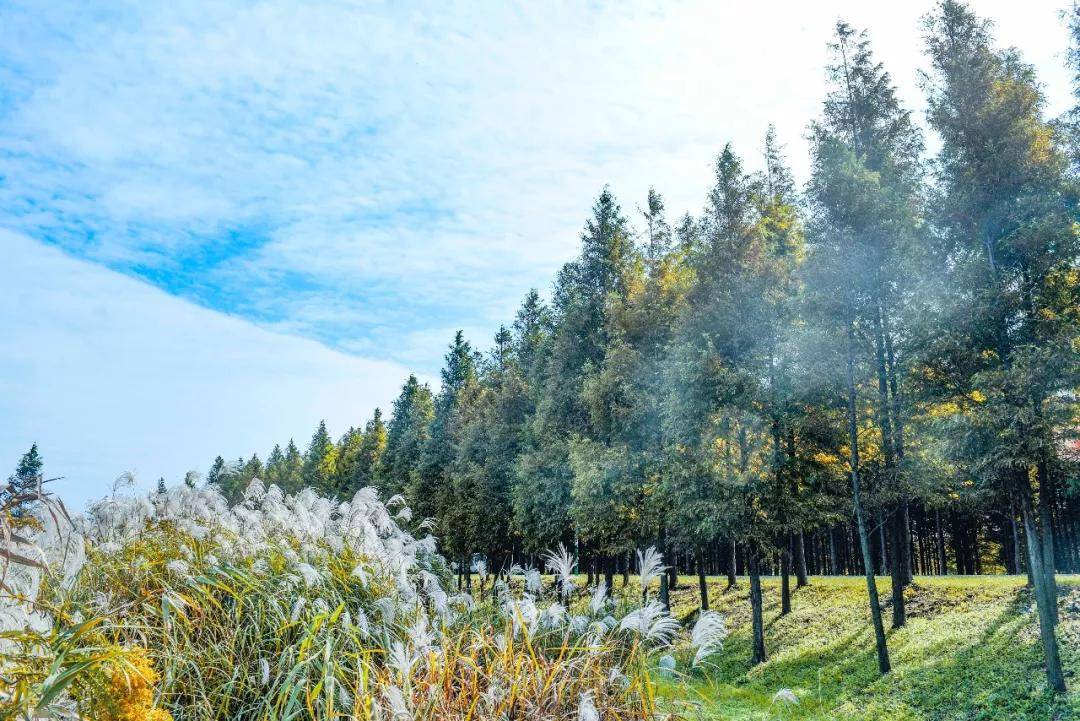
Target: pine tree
<point>370,453</point>
<point>292,471</point>
<point>1007,212</point>
<point>406,436</point>
<point>319,461</point>
<point>574,349</point>
<point>346,470</point>
<point>216,472</point>
<point>431,493</point>
<point>275,465</point>
<point>23,485</point>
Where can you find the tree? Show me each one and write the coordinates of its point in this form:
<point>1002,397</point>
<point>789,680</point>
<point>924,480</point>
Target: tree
<point>863,195</point>
<point>291,477</point>
<point>406,435</point>
<point>574,349</point>
<point>24,483</point>
<point>432,492</point>
<point>1007,214</point>
<point>275,466</point>
<point>217,472</point>
<point>370,453</point>
<point>726,410</point>
<point>319,461</point>
<point>864,118</point>
<point>491,441</point>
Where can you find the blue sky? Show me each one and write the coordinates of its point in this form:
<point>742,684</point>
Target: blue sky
<point>342,185</point>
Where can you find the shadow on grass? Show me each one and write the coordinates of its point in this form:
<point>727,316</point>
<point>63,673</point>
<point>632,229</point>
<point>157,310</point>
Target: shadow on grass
<point>979,659</point>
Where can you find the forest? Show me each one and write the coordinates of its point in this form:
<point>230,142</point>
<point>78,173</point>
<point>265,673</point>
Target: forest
<point>872,374</point>
<point>812,452</point>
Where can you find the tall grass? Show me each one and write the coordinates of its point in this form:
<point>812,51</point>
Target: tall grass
<point>301,607</point>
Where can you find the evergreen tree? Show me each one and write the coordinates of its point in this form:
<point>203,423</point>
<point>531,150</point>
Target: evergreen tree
<point>431,493</point>
<point>319,461</point>
<point>217,471</point>
<point>275,465</point>
<point>1007,213</point>
<point>406,436</point>
<point>292,470</point>
<point>574,349</point>
<point>372,448</point>
<point>347,469</point>
<point>23,485</point>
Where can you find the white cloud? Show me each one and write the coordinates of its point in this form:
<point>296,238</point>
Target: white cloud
<point>108,374</point>
<point>412,165</point>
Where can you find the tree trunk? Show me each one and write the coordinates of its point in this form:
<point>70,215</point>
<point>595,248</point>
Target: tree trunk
<point>785,578</point>
<point>892,481</point>
<point>899,613</point>
<point>905,557</point>
<point>939,533</point>
<point>665,597</point>
<point>1046,522</point>
<point>800,560</point>
<point>1054,677</point>
<point>856,496</point>
<point>884,545</point>
<point>703,587</point>
<point>731,563</point>
<point>834,561</point>
<point>754,569</point>
<point>1018,561</point>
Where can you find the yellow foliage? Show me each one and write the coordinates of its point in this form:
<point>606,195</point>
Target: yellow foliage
<point>825,459</point>
<point>129,691</point>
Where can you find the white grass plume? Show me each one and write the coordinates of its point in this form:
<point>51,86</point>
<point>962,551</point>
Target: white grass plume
<point>561,563</point>
<point>652,623</point>
<point>650,566</point>
<point>707,636</point>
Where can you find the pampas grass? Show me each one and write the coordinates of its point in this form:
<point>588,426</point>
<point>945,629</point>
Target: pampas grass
<point>301,606</point>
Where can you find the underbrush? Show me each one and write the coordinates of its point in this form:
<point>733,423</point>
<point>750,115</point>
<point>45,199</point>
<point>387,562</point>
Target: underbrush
<point>299,607</point>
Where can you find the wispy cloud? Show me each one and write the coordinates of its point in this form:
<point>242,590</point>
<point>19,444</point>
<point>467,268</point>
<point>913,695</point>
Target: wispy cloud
<point>373,175</point>
<point>109,375</point>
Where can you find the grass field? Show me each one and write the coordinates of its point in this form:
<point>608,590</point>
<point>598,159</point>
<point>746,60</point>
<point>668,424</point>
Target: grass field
<point>969,651</point>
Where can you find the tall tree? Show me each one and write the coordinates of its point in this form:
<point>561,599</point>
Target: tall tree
<point>275,463</point>
<point>292,470</point>
<point>862,195</point>
<point>406,435</point>
<point>574,349</point>
<point>432,493</point>
<point>319,461</point>
<point>1007,212</point>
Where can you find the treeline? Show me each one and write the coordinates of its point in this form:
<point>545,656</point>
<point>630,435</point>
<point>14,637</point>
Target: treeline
<point>875,373</point>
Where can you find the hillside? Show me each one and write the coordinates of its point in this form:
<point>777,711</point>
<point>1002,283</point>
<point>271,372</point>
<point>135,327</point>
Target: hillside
<point>970,651</point>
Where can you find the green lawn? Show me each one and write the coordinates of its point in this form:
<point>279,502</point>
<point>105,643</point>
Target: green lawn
<point>970,651</point>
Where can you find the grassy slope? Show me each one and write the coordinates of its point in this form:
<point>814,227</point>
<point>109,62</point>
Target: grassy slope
<point>970,651</point>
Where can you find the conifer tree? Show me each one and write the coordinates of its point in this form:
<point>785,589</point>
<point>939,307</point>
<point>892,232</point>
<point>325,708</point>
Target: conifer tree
<point>292,470</point>
<point>432,492</point>
<point>319,461</point>
<point>1007,213</point>
<point>24,482</point>
<point>275,464</point>
<point>406,436</point>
